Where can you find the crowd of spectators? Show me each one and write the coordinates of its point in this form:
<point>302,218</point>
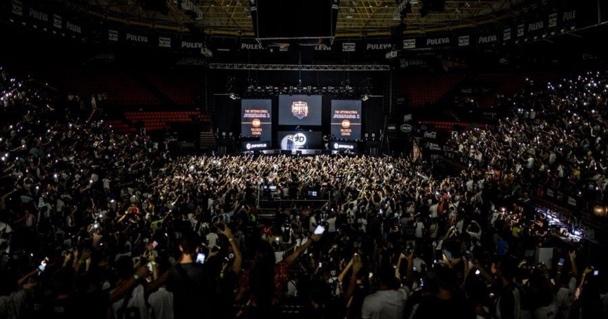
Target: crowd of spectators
<point>98,224</point>
<point>556,135</point>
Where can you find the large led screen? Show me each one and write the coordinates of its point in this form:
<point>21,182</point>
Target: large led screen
<point>346,119</point>
<point>296,140</point>
<point>256,119</point>
<point>300,110</point>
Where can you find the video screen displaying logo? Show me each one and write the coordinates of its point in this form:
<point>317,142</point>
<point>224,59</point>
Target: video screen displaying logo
<point>346,119</point>
<point>300,140</point>
<point>256,119</point>
<point>300,110</point>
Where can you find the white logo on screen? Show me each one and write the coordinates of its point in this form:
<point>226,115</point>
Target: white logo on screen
<point>250,146</point>
<point>338,146</point>
<point>293,141</point>
<point>299,109</point>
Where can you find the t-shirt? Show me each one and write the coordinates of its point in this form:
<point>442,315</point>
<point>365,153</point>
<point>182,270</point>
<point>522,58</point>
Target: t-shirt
<point>161,304</point>
<point>5,230</point>
<point>312,224</point>
<point>563,300</point>
<point>331,225</point>
<point>136,305</point>
<point>383,304</point>
<point>13,305</point>
<point>211,240</point>
<point>546,312</point>
<point>188,284</point>
<point>433,211</point>
<point>419,229</point>
<point>419,264</point>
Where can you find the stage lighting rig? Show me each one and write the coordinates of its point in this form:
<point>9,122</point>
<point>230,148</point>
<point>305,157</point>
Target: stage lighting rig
<point>341,90</point>
<point>403,8</point>
<point>192,9</point>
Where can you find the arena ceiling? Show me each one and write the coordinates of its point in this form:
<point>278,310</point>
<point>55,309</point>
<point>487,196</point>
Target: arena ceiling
<point>356,18</point>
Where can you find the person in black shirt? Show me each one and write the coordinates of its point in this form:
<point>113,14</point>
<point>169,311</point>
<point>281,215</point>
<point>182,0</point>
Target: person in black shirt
<point>445,300</point>
<point>188,283</point>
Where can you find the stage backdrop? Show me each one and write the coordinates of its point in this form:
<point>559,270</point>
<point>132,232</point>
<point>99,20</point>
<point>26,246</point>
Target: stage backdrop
<point>302,110</point>
<point>256,119</point>
<point>346,119</point>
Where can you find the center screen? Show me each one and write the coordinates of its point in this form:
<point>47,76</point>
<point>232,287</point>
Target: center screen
<point>296,140</point>
<point>300,110</point>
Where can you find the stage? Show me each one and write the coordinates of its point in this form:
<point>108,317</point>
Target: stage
<point>296,152</point>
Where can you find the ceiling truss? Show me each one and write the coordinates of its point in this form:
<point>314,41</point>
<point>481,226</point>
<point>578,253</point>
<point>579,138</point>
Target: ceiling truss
<point>356,18</point>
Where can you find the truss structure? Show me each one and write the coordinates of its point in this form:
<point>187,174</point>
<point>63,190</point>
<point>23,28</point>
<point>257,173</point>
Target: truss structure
<point>299,67</point>
<point>356,18</point>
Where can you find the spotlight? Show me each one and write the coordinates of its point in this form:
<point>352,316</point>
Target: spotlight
<point>365,97</point>
<point>600,211</point>
<point>233,96</point>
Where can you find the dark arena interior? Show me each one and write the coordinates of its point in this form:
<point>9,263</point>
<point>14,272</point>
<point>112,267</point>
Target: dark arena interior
<point>261,159</point>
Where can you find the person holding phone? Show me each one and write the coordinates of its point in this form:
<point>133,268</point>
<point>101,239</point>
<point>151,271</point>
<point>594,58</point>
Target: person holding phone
<point>187,281</point>
<point>268,279</point>
<point>223,269</point>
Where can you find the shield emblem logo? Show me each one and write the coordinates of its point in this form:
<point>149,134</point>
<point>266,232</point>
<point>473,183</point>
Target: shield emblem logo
<point>299,109</point>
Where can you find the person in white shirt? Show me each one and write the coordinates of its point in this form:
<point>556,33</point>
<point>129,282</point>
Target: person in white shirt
<point>161,304</point>
<point>312,223</point>
<point>433,210</point>
<point>564,298</point>
<point>5,233</point>
<point>136,303</point>
<point>386,303</point>
<point>419,229</point>
<point>133,303</point>
<point>331,224</point>
<point>212,240</point>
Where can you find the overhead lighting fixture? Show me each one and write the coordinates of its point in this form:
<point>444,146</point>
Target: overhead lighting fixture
<point>233,96</point>
<point>365,97</point>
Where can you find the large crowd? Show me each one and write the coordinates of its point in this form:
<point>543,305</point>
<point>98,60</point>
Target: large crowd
<point>98,224</point>
<point>555,135</point>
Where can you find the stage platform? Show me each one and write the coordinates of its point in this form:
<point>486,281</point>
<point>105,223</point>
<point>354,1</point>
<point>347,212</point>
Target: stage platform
<point>290,152</point>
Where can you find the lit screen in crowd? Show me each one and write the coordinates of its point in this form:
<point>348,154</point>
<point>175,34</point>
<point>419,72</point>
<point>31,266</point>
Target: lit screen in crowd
<point>256,119</point>
<point>296,140</point>
<point>346,119</point>
<point>299,110</point>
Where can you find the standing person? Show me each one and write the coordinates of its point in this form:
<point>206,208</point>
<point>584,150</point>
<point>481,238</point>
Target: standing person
<point>222,271</point>
<point>187,282</point>
<point>589,297</point>
<point>508,305</point>
<point>133,304</point>
<point>268,279</point>
<point>387,302</point>
<point>445,299</point>
<point>161,301</point>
